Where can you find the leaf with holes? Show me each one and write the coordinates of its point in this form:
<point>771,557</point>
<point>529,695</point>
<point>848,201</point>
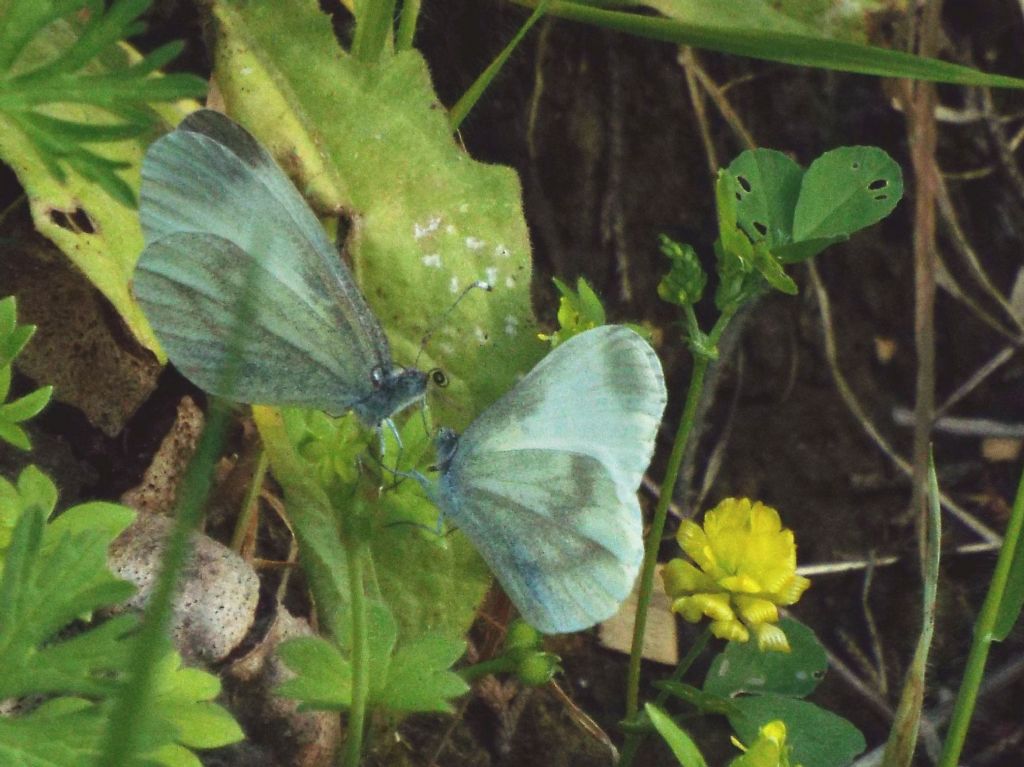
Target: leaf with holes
<point>766,190</point>
<point>844,190</point>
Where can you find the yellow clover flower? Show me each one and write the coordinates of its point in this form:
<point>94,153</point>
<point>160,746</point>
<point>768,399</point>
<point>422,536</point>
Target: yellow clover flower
<point>745,569</point>
<point>769,750</point>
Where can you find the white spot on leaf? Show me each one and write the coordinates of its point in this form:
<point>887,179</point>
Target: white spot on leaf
<point>434,260</point>
<point>453,286</point>
<point>511,325</point>
<point>510,282</point>
<point>481,336</point>
<point>474,243</point>
<point>419,231</point>
<point>492,275</point>
<point>501,251</point>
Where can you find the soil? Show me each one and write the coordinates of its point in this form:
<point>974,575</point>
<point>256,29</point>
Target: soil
<point>602,131</point>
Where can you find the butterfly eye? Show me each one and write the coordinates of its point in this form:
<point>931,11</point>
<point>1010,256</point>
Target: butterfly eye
<point>438,377</point>
<point>377,376</point>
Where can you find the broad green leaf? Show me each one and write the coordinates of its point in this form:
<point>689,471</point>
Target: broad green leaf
<point>683,747</point>
<point>845,190</point>
<point>766,189</point>
<point>751,28</point>
<point>429,221</point>
<point>742,667</point>
<point>818,737</point>
<point>420,678</point>
<point>323,676</point>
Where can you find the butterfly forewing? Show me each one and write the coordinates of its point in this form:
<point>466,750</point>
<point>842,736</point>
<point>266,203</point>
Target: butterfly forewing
<point>210,177</point>
<point>601,393</point>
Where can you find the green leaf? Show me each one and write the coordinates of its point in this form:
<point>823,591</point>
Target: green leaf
<point>683,747</point>
<point>62,731</point>
<point>752,28</point>
<point>13,337</point>
<point>185,714</point>
<point>323,677</point>
<point>772,271</point>
<point>742,667</point>
<point>845,190</point>
<point>14,436</point>
<point>75,116</point>
<point>420,678</point>
<point>371,139</point>
<point>50,578</point>
<point>26,407</point>
<point>767,187</point>
<point>818,737</point>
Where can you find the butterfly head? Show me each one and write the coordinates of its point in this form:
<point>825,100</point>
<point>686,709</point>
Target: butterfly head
<point>393,391</point>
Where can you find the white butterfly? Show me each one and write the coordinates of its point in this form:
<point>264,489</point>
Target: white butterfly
<point>544,481</point>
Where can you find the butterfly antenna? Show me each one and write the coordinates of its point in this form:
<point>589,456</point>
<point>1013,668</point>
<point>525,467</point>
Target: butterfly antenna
<point>447,313</point>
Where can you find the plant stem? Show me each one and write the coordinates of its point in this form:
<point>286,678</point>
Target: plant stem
<point>668,486</point>
<point>497,665</point>
<point>983,634</point>
<point>249,506</point>
<point>675,460</point>
<point>373,26</point>
<point>360,653</point>
<point>407,25</point>
<point>635,739</point>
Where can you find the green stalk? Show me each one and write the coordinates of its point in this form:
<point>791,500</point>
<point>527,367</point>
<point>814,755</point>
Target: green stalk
<point>499,665</point>
<point>357,551</point>
<point>407,25</point>
<point>468,99</point>
<point>701,360</point>
<point>373,28</point>
<point>249,506</point>
<point>983,632</point>
<point>130,717</point>
<point>653,543</point>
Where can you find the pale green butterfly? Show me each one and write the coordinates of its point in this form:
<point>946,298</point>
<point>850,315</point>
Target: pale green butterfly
<point>544,481</point>
<point>221,220</point>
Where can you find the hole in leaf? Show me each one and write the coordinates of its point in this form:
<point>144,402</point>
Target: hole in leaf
<point>881,197</point>
<point>77,221</point>
<point>855,165</point>
<point>878,183</point>
<point>761,228</point>
<point>61,219</point>
<point>82,221</point>
<point>744,183</point>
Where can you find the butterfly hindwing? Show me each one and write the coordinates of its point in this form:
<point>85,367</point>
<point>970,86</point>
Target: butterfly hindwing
<point>544,482</point>
<point>210,177</point>
<point>551,525</point>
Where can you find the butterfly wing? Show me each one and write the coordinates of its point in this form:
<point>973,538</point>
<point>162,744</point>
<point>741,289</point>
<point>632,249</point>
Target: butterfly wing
<point>195,286</point>
<point>544,482</point>
<point>601,393</point>
<point>211,178</point>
